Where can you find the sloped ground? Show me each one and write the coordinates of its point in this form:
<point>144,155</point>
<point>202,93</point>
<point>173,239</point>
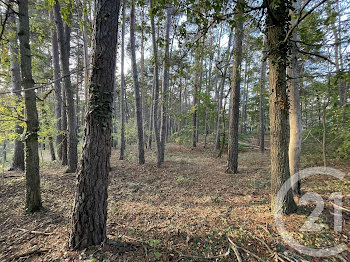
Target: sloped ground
<point>188,210</point>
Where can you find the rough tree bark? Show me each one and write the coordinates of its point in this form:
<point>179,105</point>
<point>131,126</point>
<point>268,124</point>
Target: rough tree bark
<point>277,26</point>
<point>122,88</point>
<point>63,34</point>
<point>33,198</point>
<point>262,99</point>
<point>155,86</point>
<point>165,86</point>
<point>58,90</point>
<point>18,155</point>
<point>89,217</point>
<point>232,155</point>
<point>138,102</point>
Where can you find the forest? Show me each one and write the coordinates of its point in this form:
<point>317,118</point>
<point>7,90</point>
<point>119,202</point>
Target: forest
<point>184,130</point>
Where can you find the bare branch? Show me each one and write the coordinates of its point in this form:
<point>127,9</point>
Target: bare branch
<point>316,54</point>
<point>4,22</point>
<point>44,84</point>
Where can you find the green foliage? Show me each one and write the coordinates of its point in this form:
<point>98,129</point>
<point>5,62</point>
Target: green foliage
<point>184,136</point>
<point>11,114</point>
<point>153,243</point>
<point>47,121</point>
<point>131,131</point>
<point>339,129</point>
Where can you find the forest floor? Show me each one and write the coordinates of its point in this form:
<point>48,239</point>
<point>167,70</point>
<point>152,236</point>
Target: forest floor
<point>188,210</point>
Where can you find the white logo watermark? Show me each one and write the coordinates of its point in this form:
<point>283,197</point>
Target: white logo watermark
<point>310,224</point>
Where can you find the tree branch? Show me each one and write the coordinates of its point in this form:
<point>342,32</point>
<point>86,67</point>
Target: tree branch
<point>316,54</point>
<point>44,84</point>
<point>302,17</point>
<point>4,22</point>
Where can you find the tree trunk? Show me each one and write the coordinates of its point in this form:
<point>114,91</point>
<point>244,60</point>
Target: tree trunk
<point>221,91</point>
<point>217,75</point>
<point>324,133</point>
<point>262,99</point>
<point>337,57</point>
<point>89,217</point>
<point>232,156</point>
<point>142,78</point>
<point>52,149</point>
<point>138,102</point>
<point>33,198</point>
<point>165,83</point>
<point>179,126</point>
<point>294,115</point>
<point>199,90</point>
<point>122,89</point>
<point>195,96</point>
<point>63,34</point>
<point>277,25</point>
<point>150,127</point>
<point>115,118</point>
<point>245,98</point>
<point>64,130</point>
<point>76,93</point>
<point>18,155</point>
<point>86,64</point>
<point>58,91</point>
<point>222,145</point>
<point>207,92</point>
<point>4,152</point>
<point>155,87</point>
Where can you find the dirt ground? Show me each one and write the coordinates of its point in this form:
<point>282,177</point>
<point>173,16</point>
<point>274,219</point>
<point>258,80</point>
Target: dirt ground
<point>188,210</point>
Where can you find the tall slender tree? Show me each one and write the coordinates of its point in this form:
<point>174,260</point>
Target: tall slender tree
<point>226,61</point>
<point>122,88</point>
<point>262,99</point>
<point>294,111</point>
<point>86,56</point>
<point>142,75</point>
<point>89,217</point>
<point>155,86</point>
<point>138,102</point>
<point>63,34</point>
<point>232,156</point>
<point>33,197</point>
<point>58,89</point>
<point>277,27</point>
<point>195,95</point>
<point>342,92</point>
<point>165,86</point>
<point>64,159</point>
<point>18,155</point>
